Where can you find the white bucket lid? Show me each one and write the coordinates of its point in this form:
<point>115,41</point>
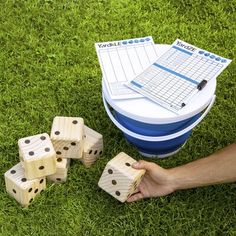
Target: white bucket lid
<point>147,111</point>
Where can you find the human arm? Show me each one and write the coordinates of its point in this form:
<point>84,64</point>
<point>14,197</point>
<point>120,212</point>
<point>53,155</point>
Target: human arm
<point>219,167</point>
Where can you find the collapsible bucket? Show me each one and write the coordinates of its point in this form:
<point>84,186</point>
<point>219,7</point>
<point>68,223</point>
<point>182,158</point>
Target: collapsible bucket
<point>152,129</point>
<point>156,146</point>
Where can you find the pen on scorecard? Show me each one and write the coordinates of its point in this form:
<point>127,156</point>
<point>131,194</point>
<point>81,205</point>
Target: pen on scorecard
<point>199,87</point>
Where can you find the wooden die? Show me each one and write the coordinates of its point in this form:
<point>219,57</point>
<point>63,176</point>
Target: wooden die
<point>93,146</point>
<point>20,188</point>
<point>119,179</point>
<point>62,167</point>
<point>37,155</point>
<point>67,136</point>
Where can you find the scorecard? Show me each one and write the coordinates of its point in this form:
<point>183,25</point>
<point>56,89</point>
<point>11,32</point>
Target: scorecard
<point>122,60</point>
<point>175,77</point>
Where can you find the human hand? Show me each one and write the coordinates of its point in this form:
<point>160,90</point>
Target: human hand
<point>155,183</point>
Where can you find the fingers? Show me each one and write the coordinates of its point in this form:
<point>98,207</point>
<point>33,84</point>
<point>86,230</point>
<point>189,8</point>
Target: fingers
<point>144,165</point>
<point>135,197</point>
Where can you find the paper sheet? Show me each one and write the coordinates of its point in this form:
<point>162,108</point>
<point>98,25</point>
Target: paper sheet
<point>175,77</point>
<point>122,60</point>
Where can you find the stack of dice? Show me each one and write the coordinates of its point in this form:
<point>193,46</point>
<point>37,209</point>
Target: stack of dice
<point>43,157</point>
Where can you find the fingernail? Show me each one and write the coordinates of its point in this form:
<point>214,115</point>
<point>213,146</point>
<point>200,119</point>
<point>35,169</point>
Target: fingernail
<point>136,164</point>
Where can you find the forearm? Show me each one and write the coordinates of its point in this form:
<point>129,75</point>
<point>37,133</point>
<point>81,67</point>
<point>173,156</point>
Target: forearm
<point>219,167</point>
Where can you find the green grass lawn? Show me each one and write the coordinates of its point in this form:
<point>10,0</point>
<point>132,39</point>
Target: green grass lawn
<point>49,67</point>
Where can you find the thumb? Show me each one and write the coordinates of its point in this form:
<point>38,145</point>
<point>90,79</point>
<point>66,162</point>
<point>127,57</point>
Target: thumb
<point>143,165</point>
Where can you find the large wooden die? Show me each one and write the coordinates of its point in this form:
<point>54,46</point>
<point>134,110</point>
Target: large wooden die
<point>67,136</point>
<point>20,188</point>
<point>62,167</point>
<point>119,179</point>
<point>93,146</point>
<point>37,155</point>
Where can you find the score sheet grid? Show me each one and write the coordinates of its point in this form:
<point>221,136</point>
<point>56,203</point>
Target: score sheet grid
<point>121,61</point>
<point>173,79</point>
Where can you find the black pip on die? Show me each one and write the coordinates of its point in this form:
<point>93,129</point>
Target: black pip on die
<point>37,155</point>
<point>20,188</point>
<point>67,136</point>
<point>119,178</point>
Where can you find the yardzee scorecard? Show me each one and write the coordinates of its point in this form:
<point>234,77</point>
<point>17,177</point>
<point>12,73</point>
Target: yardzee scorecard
<point>175,77</point>
<point>122,60</point>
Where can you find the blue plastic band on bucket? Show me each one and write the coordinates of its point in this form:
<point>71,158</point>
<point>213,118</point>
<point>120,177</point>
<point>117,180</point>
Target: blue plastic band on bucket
<point>160,147</point>
<point>151,129</point>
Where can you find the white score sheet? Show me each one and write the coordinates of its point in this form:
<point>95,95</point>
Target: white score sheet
<point>175,77</point>
<point>121,61</point>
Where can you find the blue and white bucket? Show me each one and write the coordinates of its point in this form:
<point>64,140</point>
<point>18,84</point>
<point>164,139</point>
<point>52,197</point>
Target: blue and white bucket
<point>152,129</point>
